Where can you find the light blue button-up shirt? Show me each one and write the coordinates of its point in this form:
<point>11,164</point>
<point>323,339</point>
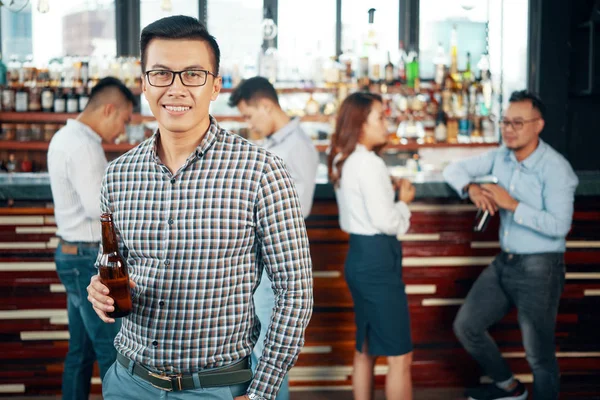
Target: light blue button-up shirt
<point>544,185</point>
<point>298,152</point>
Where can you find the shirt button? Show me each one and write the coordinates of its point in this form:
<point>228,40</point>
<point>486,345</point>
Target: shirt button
<point>155,343</point>
<point>161,303</point>
<point>173,181</point>
<point>170,221</point>
<point>521,220</point>
<point>167,262</point>
<point>505,233</point>
<point>512,187</point>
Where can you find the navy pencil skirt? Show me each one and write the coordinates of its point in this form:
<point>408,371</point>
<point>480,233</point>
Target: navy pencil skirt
<point>373,272</point>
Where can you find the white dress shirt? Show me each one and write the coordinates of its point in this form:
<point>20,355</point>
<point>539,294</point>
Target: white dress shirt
<point>301,159</point>
<point>365,197</point>
<point>76,165</point>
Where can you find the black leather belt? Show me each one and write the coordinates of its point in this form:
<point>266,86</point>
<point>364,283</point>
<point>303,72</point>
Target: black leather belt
<point>233,374</point>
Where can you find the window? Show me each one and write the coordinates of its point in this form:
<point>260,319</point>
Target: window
<point>236,24</point>
<point>151,10</point>
<point>83,29</point>
<point>436,20</point>
<point>306,33</point>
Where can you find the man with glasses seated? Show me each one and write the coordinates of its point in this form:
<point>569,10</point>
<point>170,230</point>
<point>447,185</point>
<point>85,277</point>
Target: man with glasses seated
<point>534,196</point>
<point>201,213</point>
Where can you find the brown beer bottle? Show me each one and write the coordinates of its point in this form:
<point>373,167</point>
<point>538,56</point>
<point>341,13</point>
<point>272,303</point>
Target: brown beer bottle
<point>113,269</point>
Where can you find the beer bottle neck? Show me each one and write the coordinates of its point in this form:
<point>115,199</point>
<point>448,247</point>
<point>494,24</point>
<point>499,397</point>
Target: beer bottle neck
<point>109,238</point>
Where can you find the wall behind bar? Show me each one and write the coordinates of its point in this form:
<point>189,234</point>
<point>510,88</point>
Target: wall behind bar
<point>572,121</point>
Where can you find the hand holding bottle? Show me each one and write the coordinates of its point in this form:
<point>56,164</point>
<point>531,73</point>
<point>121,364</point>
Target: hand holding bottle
<point>98,295</point>
<point>481,201</point>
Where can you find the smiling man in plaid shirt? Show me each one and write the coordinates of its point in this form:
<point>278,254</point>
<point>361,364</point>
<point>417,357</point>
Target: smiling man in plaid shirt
<point>200,212</point>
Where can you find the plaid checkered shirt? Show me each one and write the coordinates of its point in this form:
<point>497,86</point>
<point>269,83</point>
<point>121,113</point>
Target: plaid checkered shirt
<point>196,243</point>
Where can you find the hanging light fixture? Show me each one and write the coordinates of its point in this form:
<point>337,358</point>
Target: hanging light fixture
<point>166,5</point>
<point>43,6</point>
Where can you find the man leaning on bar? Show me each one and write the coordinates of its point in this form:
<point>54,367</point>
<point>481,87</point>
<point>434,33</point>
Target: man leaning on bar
<point>534,197</point>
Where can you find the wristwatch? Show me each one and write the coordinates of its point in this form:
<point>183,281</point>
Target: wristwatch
<point>253,396</point>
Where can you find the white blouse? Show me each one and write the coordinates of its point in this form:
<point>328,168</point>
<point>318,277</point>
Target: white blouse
<point>365,197</point>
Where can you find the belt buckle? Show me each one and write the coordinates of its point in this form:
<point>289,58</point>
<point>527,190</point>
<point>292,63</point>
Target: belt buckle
<point>167,378</point>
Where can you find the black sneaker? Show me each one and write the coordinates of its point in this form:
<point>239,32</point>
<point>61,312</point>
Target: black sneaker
<point>493,392</point>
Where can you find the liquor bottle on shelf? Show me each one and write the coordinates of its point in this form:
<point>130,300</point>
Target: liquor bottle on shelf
<point>440,65</point>
<point>46,92</point>
<point>454,74</point>
<point>476,134</point>
<point>441,132</point>
<point>14,70</point>
<point>60,101</point>
<point>268,58</point>
<point>372,48</point>
<point>83,98</point>
<point>389,71</point>
<point>468,74</point>
<point>72,101</point>
<point>412,69</point>
<point>21,99</point>
<point>401,63</point>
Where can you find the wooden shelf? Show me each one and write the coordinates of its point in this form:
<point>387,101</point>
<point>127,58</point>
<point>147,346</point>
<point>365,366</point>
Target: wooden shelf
<point>14,145</point>
<point>59,118</point>
<point>321,146</point>
<point>414,146</point>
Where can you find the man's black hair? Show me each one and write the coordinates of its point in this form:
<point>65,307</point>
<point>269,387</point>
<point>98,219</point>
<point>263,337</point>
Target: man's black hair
<point>179,27</point>
<point>253,89</point>
<point>111,83</point>
<point>524,95</point>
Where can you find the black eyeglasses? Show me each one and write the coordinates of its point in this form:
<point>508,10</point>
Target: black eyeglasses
<point>190,77</point>
<point>516,124</point>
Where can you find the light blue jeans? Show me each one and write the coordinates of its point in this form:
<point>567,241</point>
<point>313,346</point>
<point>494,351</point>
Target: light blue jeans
<point>264,301</point>
<point>90,338</point>
<point>120,384</point>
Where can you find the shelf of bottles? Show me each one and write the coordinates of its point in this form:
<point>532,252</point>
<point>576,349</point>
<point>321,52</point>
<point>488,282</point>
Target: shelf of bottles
<point>452,109</point>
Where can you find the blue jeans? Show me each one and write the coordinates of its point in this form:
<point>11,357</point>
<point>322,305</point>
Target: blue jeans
<point>90,338</point>
<point>264,301</point>
<point>533,283</point>
<point>120,384</point>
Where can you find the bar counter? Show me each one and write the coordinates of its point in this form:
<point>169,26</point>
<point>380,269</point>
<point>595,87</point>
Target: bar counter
<point>442,258</point>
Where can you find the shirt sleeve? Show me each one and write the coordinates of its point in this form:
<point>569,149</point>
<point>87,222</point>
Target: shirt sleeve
<point>378,195</point>
<point>555,217</point>
<point>86,171</point>
<point>285,254</point>
<point>458,174</point>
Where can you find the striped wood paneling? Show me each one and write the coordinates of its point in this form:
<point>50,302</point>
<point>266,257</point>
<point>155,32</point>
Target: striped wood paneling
<point>442,258</point>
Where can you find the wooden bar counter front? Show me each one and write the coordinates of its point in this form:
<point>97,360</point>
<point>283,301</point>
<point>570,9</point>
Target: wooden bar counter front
<point>442,258</point>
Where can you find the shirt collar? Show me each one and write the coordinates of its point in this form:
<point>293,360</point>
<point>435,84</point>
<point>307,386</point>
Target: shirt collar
<point>75,124</point>
<point>208,140</point>
<point>283,133</point>
<point>533,158</point>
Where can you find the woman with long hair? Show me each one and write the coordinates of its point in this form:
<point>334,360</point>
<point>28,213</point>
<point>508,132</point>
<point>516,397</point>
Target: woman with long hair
<point>373,269</point>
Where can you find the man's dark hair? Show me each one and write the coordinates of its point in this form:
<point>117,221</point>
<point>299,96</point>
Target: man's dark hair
<point>107,84</point>
<point>524,95</point>
<point>253,89</point>
<point>179,27</point>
